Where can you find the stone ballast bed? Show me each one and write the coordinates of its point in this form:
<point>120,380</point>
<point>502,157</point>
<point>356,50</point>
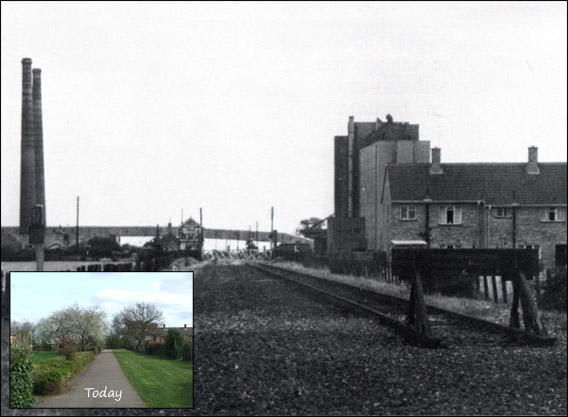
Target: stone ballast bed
<point>263,347</point>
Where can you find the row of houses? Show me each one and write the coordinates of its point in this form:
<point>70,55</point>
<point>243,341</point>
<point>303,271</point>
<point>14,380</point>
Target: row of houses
<point>159,334</point>
<point>392,190</point>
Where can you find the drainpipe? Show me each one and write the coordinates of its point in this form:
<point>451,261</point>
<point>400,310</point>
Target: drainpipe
<point>489,226</point>
<point>514,214</point>
<point>427,231</point>
<point>427,202</point>
<point>479,214</point>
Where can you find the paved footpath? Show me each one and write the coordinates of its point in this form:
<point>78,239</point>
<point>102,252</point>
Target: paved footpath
<point>104,372</point>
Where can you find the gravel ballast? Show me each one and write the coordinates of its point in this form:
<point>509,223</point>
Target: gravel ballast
<point>264,347</point>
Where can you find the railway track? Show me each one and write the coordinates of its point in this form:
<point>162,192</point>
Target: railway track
<point>448,328</point>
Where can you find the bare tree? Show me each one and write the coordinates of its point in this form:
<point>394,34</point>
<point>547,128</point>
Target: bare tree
<point>137,320</point>
<point>22,327</point>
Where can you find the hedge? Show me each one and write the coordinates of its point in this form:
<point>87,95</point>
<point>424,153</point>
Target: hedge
<point>21,385</point>
<point>157,349</point>
<point>49,376</point>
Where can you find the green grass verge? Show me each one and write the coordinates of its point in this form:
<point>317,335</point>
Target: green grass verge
<point>40,356</point>
<point>161,383</point>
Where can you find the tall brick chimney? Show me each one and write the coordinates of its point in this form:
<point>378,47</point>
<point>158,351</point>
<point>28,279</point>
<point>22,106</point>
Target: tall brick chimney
<point>532,167</point>
<point>27,167</point>
<point>436,167</point>
<point>38,140</point>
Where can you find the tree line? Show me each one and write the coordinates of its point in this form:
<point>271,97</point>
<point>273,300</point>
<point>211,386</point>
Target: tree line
<point>87,327</point>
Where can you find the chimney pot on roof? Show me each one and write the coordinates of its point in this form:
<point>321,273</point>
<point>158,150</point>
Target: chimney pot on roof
<point>389,118</point>
<point>163,326</point>
<point>532,167</point>
<point>378,123</point>
<point>185,326</point>
<point>436,167</point>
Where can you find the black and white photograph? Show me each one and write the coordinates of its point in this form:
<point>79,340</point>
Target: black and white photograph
<point>369,197</point>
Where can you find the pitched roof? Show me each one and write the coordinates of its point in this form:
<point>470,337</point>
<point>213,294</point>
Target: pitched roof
<point>494,183</point>
<point>169,237</point>
<point>190,222</point>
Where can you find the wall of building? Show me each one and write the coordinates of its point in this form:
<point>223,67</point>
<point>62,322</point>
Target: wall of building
<point>531,230</point>
<point>474,230</point>
<point>374,159</point>
<point>341,194</point>
<point>468,234</point>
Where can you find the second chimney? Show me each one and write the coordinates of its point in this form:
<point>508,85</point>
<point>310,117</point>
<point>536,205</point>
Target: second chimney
<point>436,167</point>
<point>38,142</point>
<point>532,167</point>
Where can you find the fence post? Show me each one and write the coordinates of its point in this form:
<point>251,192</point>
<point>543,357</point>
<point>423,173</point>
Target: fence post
<point>504,289</point>
<point>514,320</point>
<point>486,287</point>
<point>495,293</point>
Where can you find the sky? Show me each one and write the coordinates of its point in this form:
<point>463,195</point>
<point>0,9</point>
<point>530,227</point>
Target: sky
<point>35,295</point>
<point>150,108</point>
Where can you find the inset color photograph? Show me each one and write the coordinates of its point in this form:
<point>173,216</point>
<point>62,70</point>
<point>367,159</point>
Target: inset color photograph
<point>101,340</point>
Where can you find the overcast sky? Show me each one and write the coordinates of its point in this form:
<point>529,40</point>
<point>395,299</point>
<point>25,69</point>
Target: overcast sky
<point>35,295</point>
<point>149,108</point>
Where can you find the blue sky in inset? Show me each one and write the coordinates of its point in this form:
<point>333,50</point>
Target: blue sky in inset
<point>37,294</point>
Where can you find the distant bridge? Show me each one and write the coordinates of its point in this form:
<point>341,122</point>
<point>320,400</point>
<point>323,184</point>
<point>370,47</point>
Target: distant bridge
<point>64,236</point>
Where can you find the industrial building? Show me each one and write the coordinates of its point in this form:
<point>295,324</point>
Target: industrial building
<point>388,193</point>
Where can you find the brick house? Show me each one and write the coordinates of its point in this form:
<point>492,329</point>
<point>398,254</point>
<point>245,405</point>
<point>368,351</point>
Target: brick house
<point>159,333</point>
<point>475,205</point>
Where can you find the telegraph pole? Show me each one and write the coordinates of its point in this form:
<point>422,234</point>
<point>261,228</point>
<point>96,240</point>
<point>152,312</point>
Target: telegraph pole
<point>271,231</point>
<point>77,229</point>
<point>201,237</point>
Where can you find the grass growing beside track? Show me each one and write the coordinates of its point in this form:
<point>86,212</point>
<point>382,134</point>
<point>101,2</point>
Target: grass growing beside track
<point>160,382</point>
<point>487,310</point>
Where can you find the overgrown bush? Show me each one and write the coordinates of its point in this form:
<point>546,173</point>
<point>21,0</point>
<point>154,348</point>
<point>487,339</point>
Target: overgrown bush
<point>553,296</point>
<point>21,385</point>
<point>49,380</point>
<point>49,376</point>
<point>187,351</point>
<point>174,336</point>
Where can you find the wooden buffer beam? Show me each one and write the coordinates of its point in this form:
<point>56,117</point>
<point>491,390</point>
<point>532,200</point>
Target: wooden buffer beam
<point>516,265</point>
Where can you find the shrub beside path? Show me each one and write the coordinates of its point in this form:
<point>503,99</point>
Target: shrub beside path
<point>103,372</point>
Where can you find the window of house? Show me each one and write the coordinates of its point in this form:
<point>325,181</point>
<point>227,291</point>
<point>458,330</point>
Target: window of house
<point>407,213</point>
<point>503,212</point>
<point>148,337</point>
<point>450,215</point>
<point>554,214</point>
